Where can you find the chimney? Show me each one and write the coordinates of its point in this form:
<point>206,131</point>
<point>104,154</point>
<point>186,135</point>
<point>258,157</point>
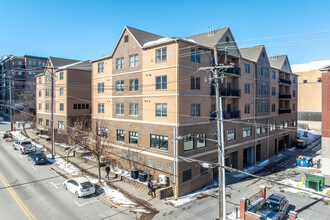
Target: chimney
<point>242,208</point>
<point>263,192</point>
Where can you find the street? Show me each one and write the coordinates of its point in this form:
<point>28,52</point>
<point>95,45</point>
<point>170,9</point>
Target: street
<point>36,192</point>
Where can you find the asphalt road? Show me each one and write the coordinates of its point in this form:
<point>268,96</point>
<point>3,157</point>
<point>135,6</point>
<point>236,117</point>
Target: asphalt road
<point>36,192</point>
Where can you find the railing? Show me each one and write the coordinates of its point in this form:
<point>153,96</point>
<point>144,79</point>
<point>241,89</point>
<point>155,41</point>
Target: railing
<point>253,198</point>
<point>230,92</point>
<point>284,110</point>
<point>18,77</point>
<point>284,81</point>
<point>284,96</point>
<point>231,115</point>
<point>234,71</point>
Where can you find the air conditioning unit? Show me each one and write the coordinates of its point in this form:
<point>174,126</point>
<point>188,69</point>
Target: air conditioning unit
<point>163,179</point>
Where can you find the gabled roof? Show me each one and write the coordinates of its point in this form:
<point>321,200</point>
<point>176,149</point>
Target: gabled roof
<point>58,62</point>
<point>81,65</point>
<point>252,53</point>
<point>207,39</point>
<point>142,37</point>
<point>278,62</point>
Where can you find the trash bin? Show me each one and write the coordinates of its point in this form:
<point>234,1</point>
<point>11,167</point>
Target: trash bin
<point>314,182</point>
<point>143,176</point>
<point>135,173</point>
<point>304,161</point>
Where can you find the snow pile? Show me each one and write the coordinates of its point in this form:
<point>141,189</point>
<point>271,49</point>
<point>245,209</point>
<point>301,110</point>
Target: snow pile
<point>159,41</point>
<point>310,135</point>
<point>232,216</point>
<point>255,168</point>
<point>18,135</point>
<point>117,197</point>
<point>291,149</point>
<point>302,186</point>
<point>67,167</point>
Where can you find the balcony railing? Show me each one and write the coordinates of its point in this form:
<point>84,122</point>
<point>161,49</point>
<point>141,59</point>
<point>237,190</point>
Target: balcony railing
<point>284,110</point>
<point>234,71</point>
<point>284,81</point>
<point>284,96</point>
<point>231,115</point>
<point>230,92</point>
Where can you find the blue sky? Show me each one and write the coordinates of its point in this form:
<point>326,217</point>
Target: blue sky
<point>89,29</point>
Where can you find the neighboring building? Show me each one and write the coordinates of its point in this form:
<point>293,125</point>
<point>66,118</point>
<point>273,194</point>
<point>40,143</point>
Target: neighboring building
<point>22,70</point>
<point>157,94</point>
<point>72,82</point>
<point>310,93</point>
<point>326,120</point>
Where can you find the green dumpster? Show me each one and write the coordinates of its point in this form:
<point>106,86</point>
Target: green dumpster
<point>314,182</point>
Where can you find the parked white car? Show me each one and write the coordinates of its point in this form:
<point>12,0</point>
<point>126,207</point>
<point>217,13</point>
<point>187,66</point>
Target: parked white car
<point>79,186</point>
<point>24,146</point>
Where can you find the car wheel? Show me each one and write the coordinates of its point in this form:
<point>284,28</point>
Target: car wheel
<point>77,194</point>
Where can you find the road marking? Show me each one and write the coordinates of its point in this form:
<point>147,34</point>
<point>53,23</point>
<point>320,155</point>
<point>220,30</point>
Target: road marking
<point>17,199</point>
<point>34,168</point>
<point>54,185</point>
<point>85,203</point>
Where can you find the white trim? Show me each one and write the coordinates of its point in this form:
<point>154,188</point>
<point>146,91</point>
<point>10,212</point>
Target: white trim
<point>60,114</point>
<point>136,121</point>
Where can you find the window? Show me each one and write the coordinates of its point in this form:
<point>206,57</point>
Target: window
<point>133,84</point>
<point>161,55</point>
<point>39,93</point>
<point>61,125</point>
<point>135,157</point>
<point>40,106</point>
<point>100,108</point>
<point>30,74</point>
<point>294,80</point>
<point>161,110</point>
<point>159,142</point>
<point>159,165</point>
<point>47,92</point>
<point>294,107</point>
<point>47,79</point>
<point>260,89</point>
<point>161,82</point>
<point>186,175</point>
<point>294,93</point>
<point>188,143</point>
<point>272,126</point>
<point>61,75</point>
<point>227,40</point>
<point>169,167</point>
<point>120,108</point>
<point>195,83</point>
<point>133,137</point>
<point>286,124</point>
<point>273,75</point>
<point>247,88</point>
<point>231,134</point>
<point>195,110</point>
<point>61,91</point>
<point>61,107</point>
<point>120,86</point>
<point>281,124</point>
<point>120,135</point>
<point>80,106</point>
<point>195,55</point>
<point>134,109</point>
<point>260,73</point>
<point>201,140</point>
<point>266,108</point>
<point>47,122</point>
<point>266,90</point>
<point>100,88</point>
<point>40,121</point>
<point>266,72</point>
<point>34,63</point>
<point>261,129</point>
<point>247,131</point>
<point>103,132</point>
<point>273,107</point>
<point>305,80</point>
<point>150,162</point>
<point>30,63</point>
<point>247,108</point>
<point>100,67</point>
<point>134,60</point>
<point>260,108</point>
<point>125,38</point>
<point>273,91</point>
<point>120,63</point>
<point>47,106</point>
<point>40,80</point>
<point>247,68</point>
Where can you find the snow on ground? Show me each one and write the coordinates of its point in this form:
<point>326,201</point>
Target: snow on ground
<point>291,149</point>
<point>18,135</point>
<point>67,167</point>
<point>302,186</point>
<point>255,168</point>
<point>232,216</point>
<point>192,196</point>
<point>310,134</point>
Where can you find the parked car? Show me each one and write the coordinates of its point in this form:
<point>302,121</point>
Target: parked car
<point>274,207</point>
<point>24,146</point>
<point>38,158</point>
<point>79,186</point>
<point>301,144</point>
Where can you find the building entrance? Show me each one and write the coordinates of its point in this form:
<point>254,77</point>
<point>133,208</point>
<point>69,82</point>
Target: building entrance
<point>248,156</point>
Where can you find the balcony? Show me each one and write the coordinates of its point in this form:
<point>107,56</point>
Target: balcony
<point>231,115</point>
<point>284,81</point>
<point>234,71</point>
<point>284,110</point>
<point>20,77</point>
<point>230,92</point>
<point>284,96</point>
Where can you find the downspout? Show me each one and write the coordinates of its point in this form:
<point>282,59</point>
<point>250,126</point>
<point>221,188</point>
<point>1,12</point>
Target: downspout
<point>254,110</point>
<point>176,132</point>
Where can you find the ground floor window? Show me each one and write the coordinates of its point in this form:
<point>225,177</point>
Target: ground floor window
<point>150,162</point>
<point>231,134</point>
<point>40,121</point>
<point>169,167</point>
<point>159,165</point>
<point>247,131</point>
<point>47,122</point>
<point>186,175</point>
<point>61,125</point>
<point>103,132</point>
<point>133,137</point>
<point>120,135</point>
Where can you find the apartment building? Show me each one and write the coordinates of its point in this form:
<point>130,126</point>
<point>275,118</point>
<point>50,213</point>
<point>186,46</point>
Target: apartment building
<point>154,94</point>
<point>21,71</point>
<point>72,93</point>
<point>310,93</point>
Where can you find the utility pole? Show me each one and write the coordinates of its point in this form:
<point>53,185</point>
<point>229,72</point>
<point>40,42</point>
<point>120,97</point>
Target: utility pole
<point>216,69</point>
<point>10,101</point>
<point>53,110</point>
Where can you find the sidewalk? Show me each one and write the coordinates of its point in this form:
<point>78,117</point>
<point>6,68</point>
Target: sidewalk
<point>132,192</point>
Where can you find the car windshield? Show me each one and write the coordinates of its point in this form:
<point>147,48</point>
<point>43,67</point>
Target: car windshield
<point>41,156</point>
<point>269,205</point>
<point>86,185</point>
<point>26,143</point>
